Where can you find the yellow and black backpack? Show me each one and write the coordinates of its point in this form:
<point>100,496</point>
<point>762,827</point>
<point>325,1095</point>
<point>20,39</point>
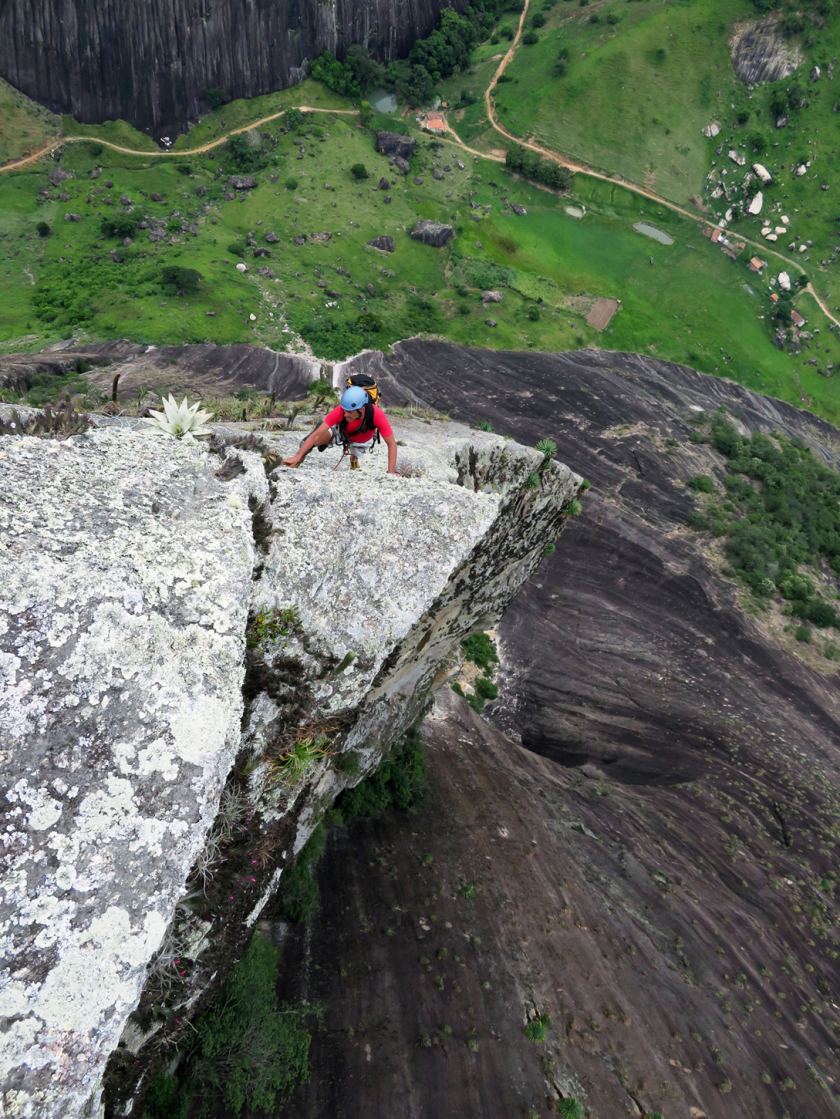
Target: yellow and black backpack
<point>363,381</point>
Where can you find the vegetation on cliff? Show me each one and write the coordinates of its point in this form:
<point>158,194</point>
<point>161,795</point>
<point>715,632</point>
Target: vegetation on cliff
<point>779,512</point>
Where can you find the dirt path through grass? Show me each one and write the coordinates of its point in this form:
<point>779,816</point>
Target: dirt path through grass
<point>583,169</point>
<point>18,164</point>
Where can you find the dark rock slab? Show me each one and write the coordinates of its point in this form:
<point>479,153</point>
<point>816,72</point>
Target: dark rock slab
<point>384,184</point>
<point>432,233</point>
<point>402,165</point>
<point>761,53</point>
<point>391,143</point>
<point>384,243</point>
<point>243,182</point>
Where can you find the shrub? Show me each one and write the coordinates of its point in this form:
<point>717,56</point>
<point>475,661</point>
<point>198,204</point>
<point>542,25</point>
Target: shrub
<point>468,97</point>
<point>42,229</point>
<point>236,248</point>
<point>359,171</point>
<point>486,688</point>
<point>613,18</point>
<point>369,321</point>
<point>481,650</point>
<point>538,20</point>
<point>399,783</point>
<point>215,98</point>
<point>291,184</point>
<point>569,1108</point>
<point>758,142</point>
<point>702,483</point>
<point>121,226</point>
<point>536,1030</point>
<point>530,38</point>
<point>594,18</point>
<point>95,150</point>
<point>533,313</point>
<point>167,1098</point>
<point>506,32</point>
<point>183,168</point>
<point>180,281</point>
<point>244,156</point>
<point>249,1052</point>
<point>697,521</point>
<point>743,116</point>
<point>299,894</point>
<point>173,225</point>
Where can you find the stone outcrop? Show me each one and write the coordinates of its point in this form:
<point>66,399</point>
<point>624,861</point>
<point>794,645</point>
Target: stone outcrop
<point>385,243</point>
<point>760,52</point>
<point>166,612</point>
<point>394,144</point>
<point>153,65</point>
<point>433,233</point>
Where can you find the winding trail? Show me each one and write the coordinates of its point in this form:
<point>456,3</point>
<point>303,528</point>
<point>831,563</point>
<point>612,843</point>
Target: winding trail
<point>454,138</point>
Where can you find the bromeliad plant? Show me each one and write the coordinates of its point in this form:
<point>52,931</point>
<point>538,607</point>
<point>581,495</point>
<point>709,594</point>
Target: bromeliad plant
<point>294,763</point>
<point>181,420</point>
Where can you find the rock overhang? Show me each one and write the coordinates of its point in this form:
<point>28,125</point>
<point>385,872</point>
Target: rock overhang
<point>130,572</point>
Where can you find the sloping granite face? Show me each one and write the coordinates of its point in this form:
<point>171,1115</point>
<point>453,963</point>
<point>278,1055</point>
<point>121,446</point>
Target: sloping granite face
<point>153,63</point>
<point>128,574</point>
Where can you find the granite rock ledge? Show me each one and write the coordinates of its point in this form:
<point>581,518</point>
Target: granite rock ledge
<point>136,694</point>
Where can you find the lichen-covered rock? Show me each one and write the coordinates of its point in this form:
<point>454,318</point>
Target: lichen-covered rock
<point>124,590</point>
<point>132,679</point>
<point>385,243</point>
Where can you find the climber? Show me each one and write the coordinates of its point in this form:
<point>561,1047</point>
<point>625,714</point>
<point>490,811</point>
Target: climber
<point>356,424</point>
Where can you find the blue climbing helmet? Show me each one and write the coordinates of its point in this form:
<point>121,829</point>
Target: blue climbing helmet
<point>354,399</point>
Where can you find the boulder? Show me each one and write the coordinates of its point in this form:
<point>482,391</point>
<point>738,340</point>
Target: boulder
<point>96,172</point>
<point>299,240</point>
<point>370,289</point>
<point>64,196</point>
<point>321,238</point>
<point>384,184</point>
<point>437,174</point>
<point>491,297</point>
<point>402,165</point>
<point>815,74</point>
<point>262,252</point>
<point>130,690</point>
<point>229,195</point>
<point>418,181</point>
<point>392,144</point>
<point>201,191</point>
<point>155,197</point>
<point>58,175</point>
<point>125,200</point>
<point>72,217</point>
<point>387,199</point>
<point>272,238</point>
<point>269,273</point>
<point>756,204</point>
<point>711,130</point>
<point>127,242</point>
<point>240,267</point>
<point>243,182</point>
<point>384,243</point>
<point>432,233</point>
<point>491,322</point>
<point>459,165</point>
<point>517,209</point>
<point>157,235</point>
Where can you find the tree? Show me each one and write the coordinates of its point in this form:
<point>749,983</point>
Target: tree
<point>216,97</point>
<point>758,142</point>
<point>180,281</point>
<point>359,171</point>
<point>42,229</point>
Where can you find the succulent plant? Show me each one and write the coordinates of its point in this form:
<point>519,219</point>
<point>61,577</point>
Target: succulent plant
<point>183,421</point>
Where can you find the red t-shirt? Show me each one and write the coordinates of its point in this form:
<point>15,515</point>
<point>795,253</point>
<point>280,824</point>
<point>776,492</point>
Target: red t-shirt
<point>380,422</point>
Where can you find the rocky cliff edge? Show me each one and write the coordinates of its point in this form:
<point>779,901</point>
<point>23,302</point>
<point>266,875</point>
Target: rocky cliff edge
<point>174,625</point>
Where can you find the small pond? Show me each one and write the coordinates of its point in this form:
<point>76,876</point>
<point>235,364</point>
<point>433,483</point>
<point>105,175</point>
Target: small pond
<point>652,231</point>
<point>382,101</point>
<point>574,212</point>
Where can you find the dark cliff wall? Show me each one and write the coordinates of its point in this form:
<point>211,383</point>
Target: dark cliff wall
<point>151,61</point>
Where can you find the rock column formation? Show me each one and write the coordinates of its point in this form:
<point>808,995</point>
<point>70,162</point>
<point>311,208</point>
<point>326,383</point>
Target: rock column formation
<point>152,62</point>
<point>172,623</point>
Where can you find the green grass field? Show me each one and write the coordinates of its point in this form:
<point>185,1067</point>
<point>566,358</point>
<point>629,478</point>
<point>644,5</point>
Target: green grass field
<point>636,94</point>
<point>25,127</point>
